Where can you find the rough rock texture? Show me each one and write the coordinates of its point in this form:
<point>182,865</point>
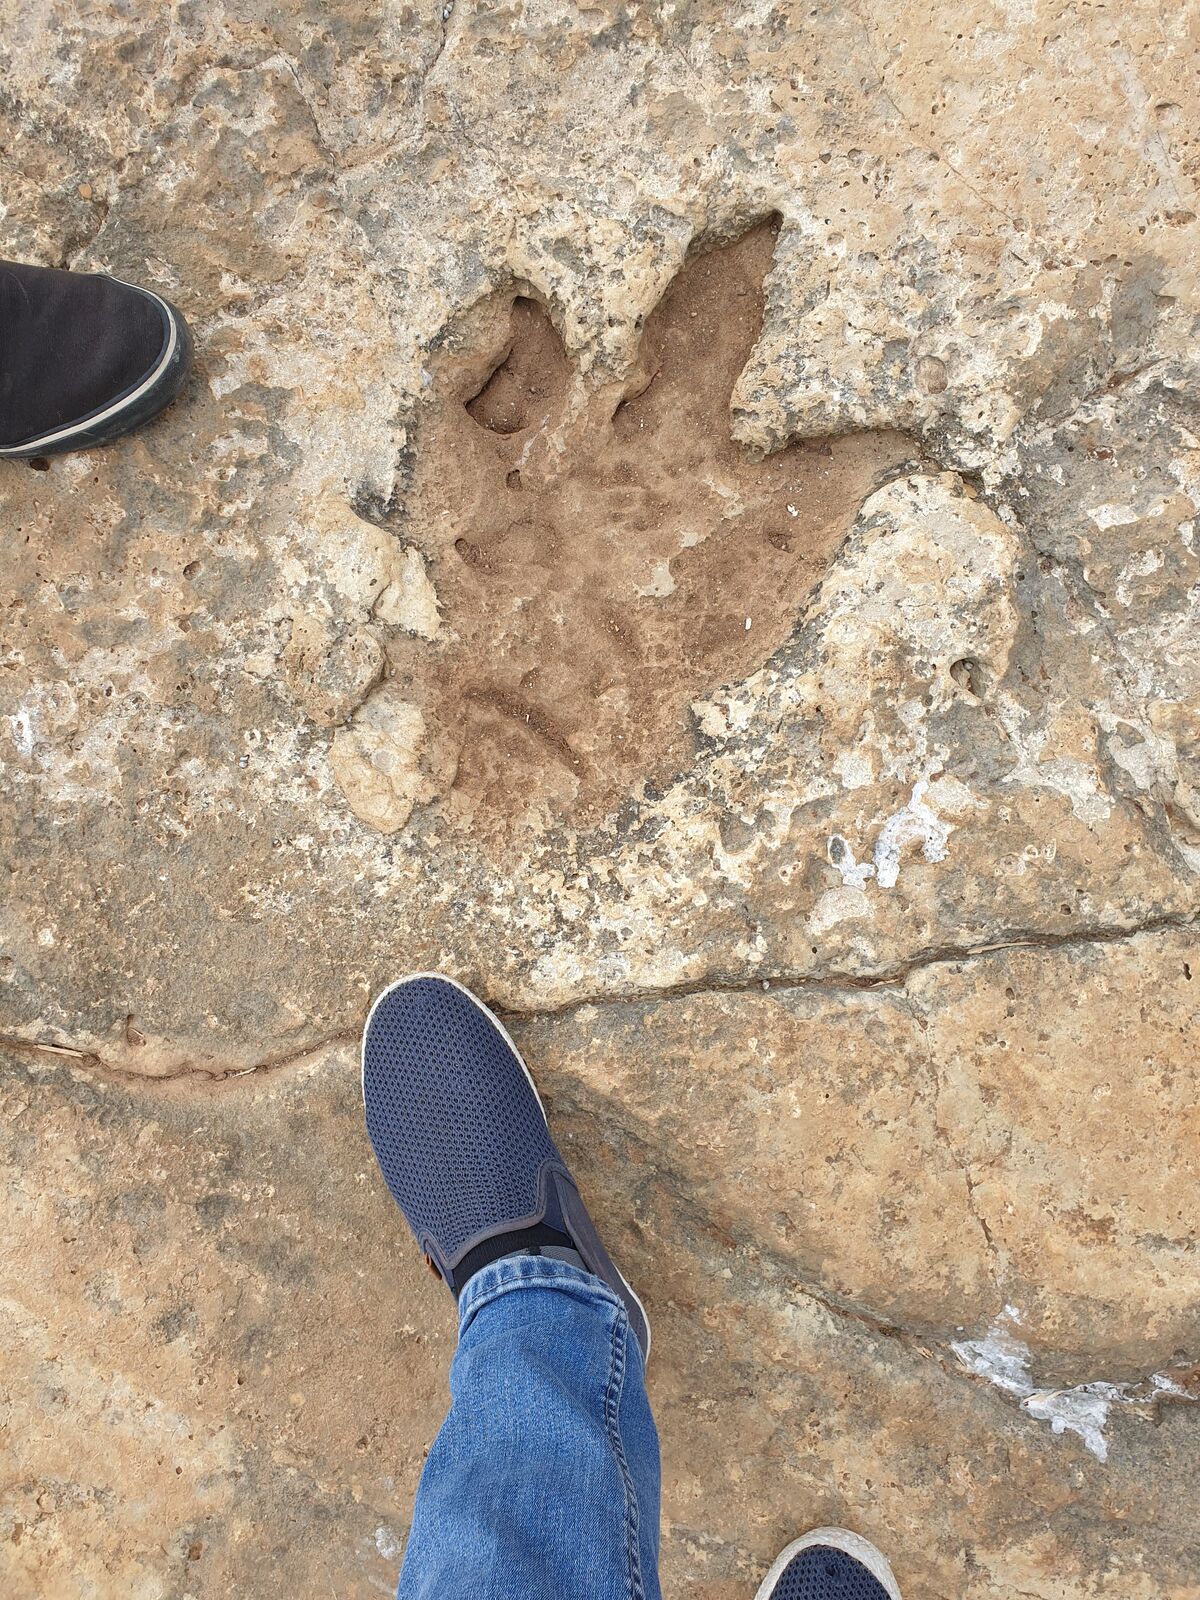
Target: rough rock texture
<point>686,518</point>
<point>828,1196</point>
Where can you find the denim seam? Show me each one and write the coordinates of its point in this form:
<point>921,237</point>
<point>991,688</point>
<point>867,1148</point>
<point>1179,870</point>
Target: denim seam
<point>612,1406</point>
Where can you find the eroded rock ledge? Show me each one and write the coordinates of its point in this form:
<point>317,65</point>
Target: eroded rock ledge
<point>203,1282</point>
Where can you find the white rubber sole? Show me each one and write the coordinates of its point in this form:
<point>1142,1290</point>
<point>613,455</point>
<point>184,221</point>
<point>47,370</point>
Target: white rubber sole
<point>413,977</point>
<point>126,401</point>
<point>851,1544</point>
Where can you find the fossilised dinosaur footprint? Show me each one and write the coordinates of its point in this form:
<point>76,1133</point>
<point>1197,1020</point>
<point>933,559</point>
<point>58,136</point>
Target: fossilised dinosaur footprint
<point>601,558</point>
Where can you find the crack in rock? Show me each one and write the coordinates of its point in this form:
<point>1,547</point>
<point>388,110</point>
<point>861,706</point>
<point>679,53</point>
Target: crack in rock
<point>778,984</point>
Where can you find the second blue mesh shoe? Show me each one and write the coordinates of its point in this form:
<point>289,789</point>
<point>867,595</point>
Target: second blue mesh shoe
<point>830,1564</point>
<point>460,1135</point>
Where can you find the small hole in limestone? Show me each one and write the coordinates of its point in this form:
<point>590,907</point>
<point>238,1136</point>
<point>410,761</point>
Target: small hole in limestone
<point>39,464</point>
<point>191,570</point>
<point>513,480</point>
<point>969,676</point>
<point>470,553</point>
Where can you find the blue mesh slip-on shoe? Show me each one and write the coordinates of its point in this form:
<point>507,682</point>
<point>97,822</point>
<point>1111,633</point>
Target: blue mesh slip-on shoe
<point>460,1135</point>
<point>829,1564</point>
<point>84,358</point>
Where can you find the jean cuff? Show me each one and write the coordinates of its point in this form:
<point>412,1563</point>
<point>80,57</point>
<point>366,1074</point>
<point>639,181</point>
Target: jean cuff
<point>517,1272</point>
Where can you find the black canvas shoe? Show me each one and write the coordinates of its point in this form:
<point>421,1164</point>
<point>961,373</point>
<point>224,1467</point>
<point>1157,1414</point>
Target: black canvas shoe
<point>460,1135</point>
<point>84,358</point>
<point>830,1564</point>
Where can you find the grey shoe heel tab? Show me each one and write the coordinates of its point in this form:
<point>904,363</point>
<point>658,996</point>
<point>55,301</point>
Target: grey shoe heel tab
<point>591,1248</point>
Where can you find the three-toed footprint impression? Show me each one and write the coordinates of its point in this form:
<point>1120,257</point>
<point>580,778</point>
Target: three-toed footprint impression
<point>603,557</point>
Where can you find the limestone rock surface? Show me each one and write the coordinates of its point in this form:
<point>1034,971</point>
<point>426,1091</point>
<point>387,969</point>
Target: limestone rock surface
<point>918,1258</point>
<point>686,519</point>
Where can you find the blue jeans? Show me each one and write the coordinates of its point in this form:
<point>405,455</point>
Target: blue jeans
<point>544,1478</point>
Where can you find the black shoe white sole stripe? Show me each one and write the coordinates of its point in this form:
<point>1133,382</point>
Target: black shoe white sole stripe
<point>412,977</point>
<point>150,396</point>
<point>851,1544</point>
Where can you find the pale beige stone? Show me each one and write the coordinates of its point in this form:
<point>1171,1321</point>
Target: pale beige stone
<point>379,761</point>
<point>329,675</point>
<point>409,601</point>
